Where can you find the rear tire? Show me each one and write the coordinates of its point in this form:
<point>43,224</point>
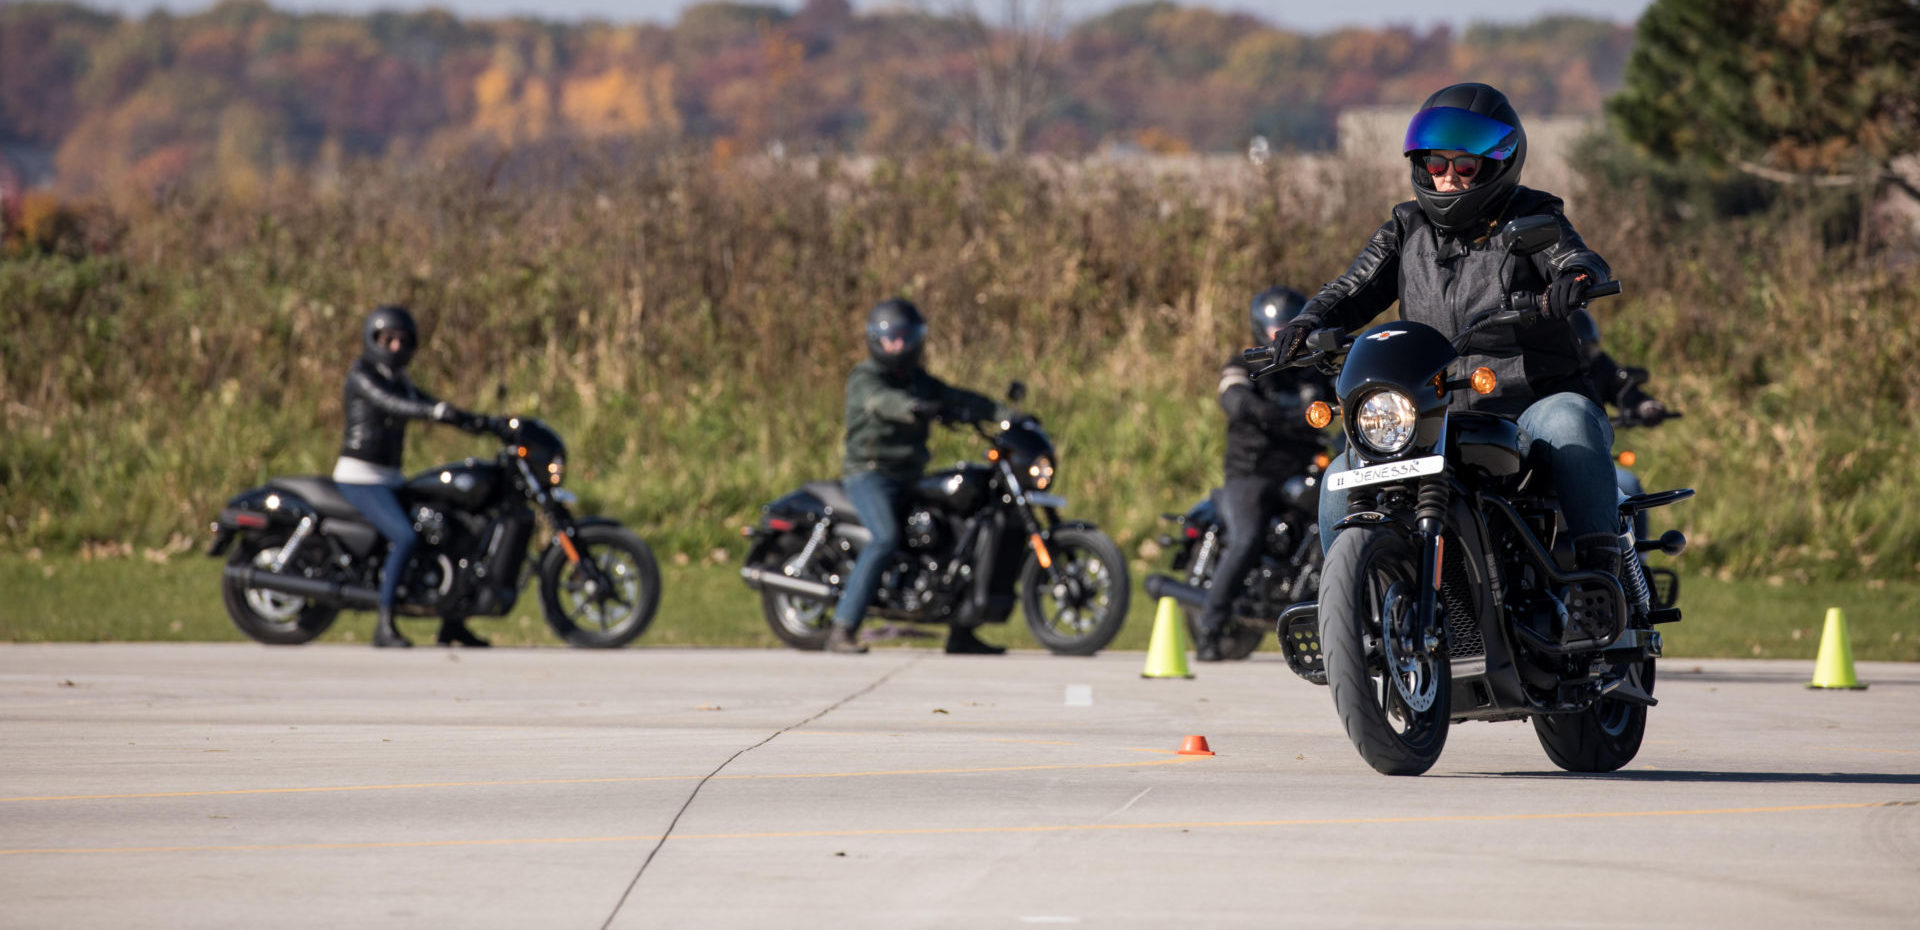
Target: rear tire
<point>594,619</point>
<point>1367,592</point>
<point>269,616</point>
<point>1601,738</point>
<point>1080,611</point>
<point>801,623</point>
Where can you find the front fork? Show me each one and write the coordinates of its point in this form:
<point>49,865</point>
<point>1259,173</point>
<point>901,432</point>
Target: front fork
<point>1430,531</point>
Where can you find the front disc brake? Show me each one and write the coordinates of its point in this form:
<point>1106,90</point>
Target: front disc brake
<point>1410,667</point>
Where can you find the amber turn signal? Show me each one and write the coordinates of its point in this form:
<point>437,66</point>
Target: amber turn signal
<point>1322,460</point>
<point>1627,458</point>
<point>1483,381</point>
<point>1319,414</point>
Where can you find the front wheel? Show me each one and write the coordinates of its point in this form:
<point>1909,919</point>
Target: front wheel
<point>1601,738</point>
<point>1393,693</point>
<point>272,617</point>
<point>607,598</point>
<point>1077,608</point>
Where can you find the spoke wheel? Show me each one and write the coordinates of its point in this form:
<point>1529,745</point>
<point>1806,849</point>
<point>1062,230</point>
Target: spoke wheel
<point>609,597</point>
<point>1391,689</point>
<point>1078,607</point>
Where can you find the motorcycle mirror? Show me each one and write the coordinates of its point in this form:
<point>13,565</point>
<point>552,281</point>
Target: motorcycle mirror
<point>1529,234</point>
<point>1016,391</point>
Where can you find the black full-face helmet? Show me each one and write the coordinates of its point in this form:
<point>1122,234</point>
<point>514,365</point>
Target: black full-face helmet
<point>896,319</point>
<point>1478,120</point>
<point>1272,309</point>
<point>382,323</point>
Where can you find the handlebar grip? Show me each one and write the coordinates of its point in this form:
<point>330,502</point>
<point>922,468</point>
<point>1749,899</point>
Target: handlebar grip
<point>1604,290</point>
<point>1257,355</point>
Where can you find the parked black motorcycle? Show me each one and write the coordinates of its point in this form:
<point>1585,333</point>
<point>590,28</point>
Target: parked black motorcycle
<point>1288,571</point>
<point>1451,593</point>
<point>298,553</point>
<point>977,536</point>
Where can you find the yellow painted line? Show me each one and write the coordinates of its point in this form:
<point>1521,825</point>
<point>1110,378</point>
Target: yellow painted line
<point>1171,760</point>
<point>961,831</point>
<point>1901,752</point>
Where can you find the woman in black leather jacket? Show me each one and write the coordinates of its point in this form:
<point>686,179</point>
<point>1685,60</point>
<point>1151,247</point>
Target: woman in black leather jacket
<point>379,401</point>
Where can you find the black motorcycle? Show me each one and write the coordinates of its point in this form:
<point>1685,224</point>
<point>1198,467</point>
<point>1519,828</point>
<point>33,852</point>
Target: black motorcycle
<point>1451,592</point>
<point>976,538</point>
<point>1288,571</point>
<point>1664,582</point>
<point>298,553</point>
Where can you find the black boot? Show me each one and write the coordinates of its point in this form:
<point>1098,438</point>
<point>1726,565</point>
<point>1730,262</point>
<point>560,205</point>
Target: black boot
<point>1598,552</point>
<point>386,634</point>
<point>961,641</point>
<point>1206,646</point>
<point>455,633</point>
<point>845,640</point>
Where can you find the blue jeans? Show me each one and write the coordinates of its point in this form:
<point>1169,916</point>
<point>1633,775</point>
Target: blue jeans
<point>876,497</point>
<point>1579,443</point>
<point>381,507</point>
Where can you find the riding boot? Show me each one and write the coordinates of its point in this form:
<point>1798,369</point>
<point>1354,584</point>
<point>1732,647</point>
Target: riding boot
<point>961,641</point>
<point>386,634</point>
<point>1598,552</point>
<point>1206,646</point>
<point>454,632</point>
<point>845,640</point>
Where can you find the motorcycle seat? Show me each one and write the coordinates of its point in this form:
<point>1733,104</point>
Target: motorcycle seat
<point>320,492</point>
<point>832,494</point>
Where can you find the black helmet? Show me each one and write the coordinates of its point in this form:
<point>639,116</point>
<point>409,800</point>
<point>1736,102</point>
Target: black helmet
<point>1587,330</point>
<point>373,336</point>
<point>896,318</point>
<point>1478,120</point>
<point>1273,307</point>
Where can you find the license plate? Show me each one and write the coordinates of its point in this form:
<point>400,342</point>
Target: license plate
<point>1392,471</point>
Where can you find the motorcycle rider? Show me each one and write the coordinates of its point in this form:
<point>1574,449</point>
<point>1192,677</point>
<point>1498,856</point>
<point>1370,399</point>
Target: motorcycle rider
<point>1267,441</point>
<point>891,403</point>
<point>380,398</point>
<point>1434,255</point>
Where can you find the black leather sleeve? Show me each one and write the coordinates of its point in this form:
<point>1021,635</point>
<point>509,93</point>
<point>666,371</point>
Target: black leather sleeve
<point>1371,284</point>
<point>1239,401</point>
<point>386,400</point>
<point>1570,252</point>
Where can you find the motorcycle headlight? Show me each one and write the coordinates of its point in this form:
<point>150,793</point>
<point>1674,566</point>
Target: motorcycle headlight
<point>1386,421</point>
<point>556,471</point>
<point>1040,473</point>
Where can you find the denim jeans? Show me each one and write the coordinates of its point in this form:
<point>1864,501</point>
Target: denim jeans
<point>876,497</point>
<point>1247,504</point>
<point>1579,443</point>
<point>381,507</point>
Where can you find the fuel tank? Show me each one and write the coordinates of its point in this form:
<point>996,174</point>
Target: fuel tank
<point>468,485</point>
<point>1484,443</point>
<point>960,490</point>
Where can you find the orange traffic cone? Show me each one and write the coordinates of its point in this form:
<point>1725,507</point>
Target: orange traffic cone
<point>1195,746</point>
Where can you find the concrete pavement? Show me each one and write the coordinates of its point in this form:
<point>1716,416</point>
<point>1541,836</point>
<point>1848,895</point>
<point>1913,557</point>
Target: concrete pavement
<point>157,785</point>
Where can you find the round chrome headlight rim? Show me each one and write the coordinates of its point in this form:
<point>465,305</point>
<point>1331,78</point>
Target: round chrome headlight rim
<point>1384,422</point>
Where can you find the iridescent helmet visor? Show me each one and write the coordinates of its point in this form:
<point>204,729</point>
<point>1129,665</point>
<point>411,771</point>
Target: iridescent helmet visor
<point>1451,128</point>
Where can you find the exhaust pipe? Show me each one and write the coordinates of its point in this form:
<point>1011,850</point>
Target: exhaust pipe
<point>762,580</point>
<point>1159,586</point>
<point>314,589</point>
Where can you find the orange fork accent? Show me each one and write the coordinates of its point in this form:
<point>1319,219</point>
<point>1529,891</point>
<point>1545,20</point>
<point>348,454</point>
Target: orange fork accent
<point>1040,551</point>
<point>566,543</point>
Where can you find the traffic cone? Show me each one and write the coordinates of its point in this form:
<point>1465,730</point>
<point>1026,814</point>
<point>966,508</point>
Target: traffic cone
<point>1195,746</point>
<point>1167,650</point>
<point>1834,668</point>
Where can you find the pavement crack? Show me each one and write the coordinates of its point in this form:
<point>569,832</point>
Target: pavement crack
<point>702,783</point>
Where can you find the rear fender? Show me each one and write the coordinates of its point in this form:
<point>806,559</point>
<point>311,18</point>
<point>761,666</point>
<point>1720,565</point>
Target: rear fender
<point>255,511</point>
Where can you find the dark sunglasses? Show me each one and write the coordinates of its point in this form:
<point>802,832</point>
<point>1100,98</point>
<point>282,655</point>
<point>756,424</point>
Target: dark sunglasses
<point>1465,166</point>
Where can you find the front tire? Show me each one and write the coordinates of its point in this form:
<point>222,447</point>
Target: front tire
<point>1393,696</point>
<point>1601,738</point>
<point>1077,610</point>
<point>269,616</point>
<point>583,611</point>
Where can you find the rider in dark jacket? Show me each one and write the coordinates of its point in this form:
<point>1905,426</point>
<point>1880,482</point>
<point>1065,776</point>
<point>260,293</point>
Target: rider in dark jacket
<point>379,401</point>
<point>1435,256</point>
<point>1268,441</point>
<point>891,403</point>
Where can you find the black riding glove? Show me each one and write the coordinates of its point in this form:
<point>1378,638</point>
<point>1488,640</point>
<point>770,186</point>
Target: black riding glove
<point>1567,293</point>
<point>1291,338</point>
<point>924,409</point>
